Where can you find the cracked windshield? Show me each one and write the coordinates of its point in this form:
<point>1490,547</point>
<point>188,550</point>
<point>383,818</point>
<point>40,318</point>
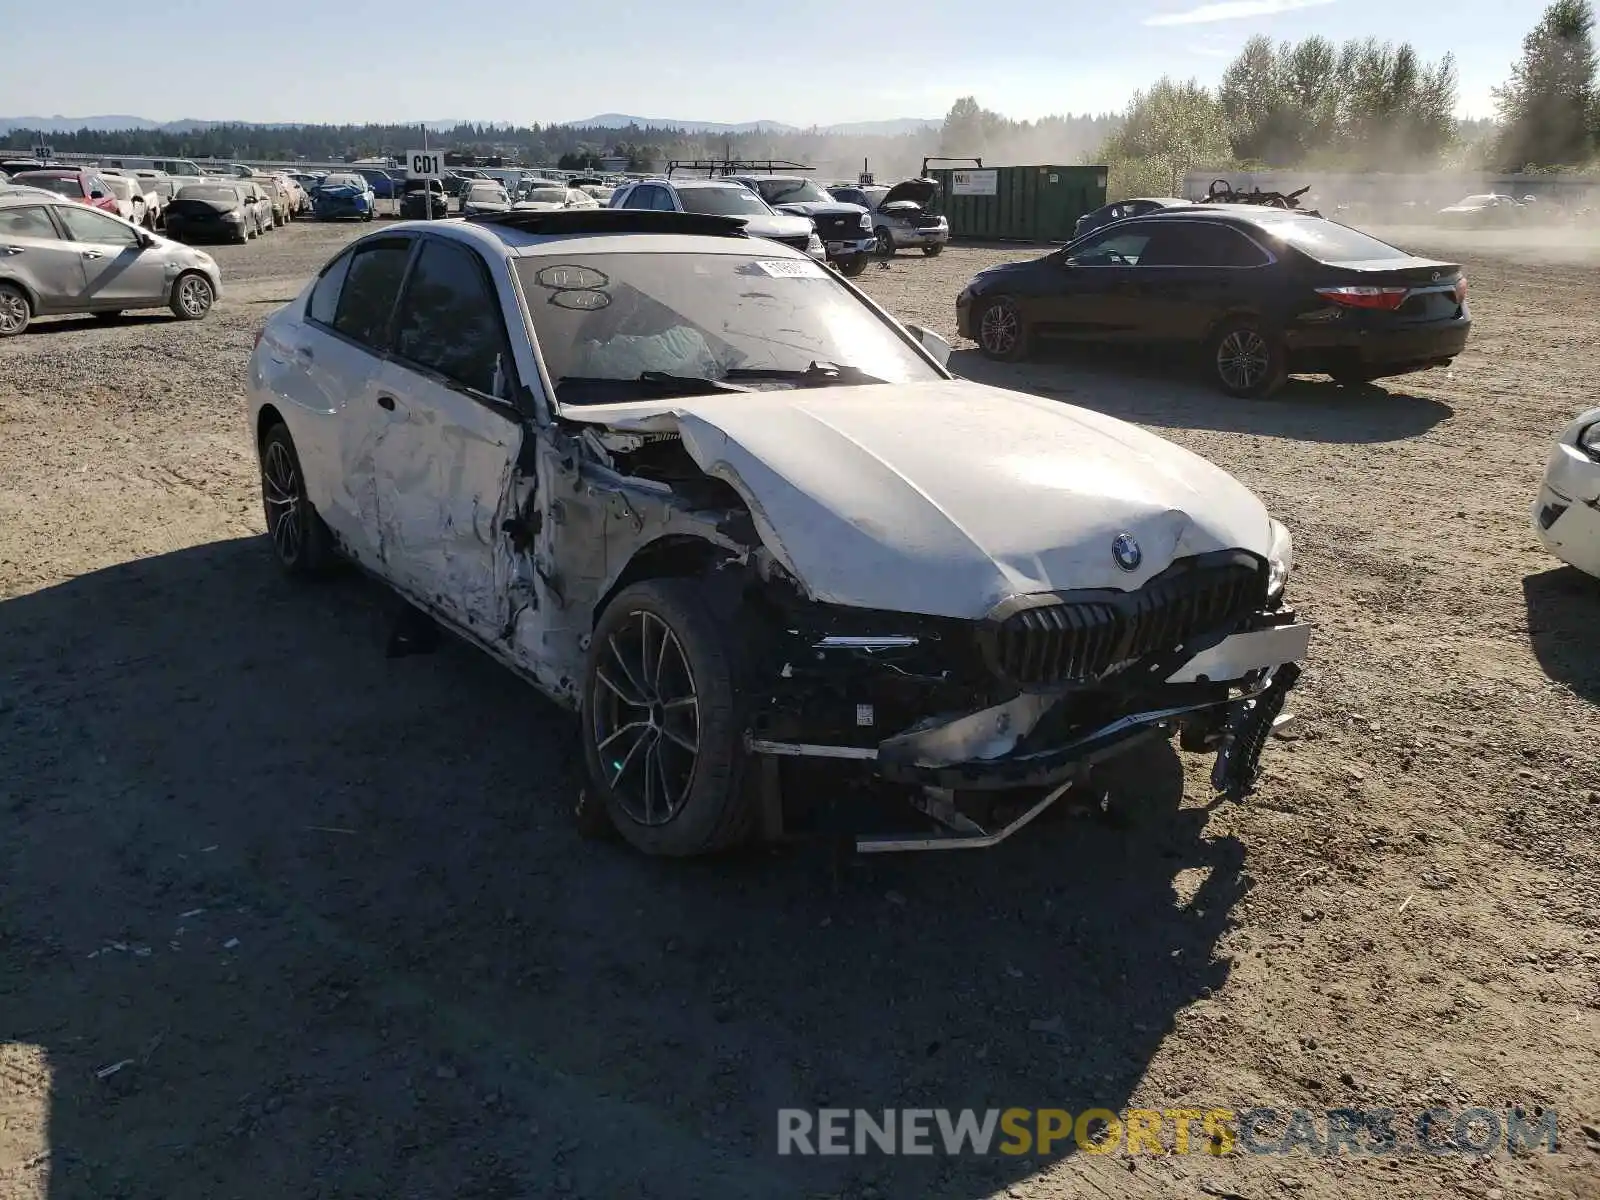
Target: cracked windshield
<point>615,327</point>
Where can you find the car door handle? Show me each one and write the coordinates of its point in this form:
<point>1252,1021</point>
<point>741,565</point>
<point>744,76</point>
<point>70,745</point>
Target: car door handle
<point>94,253</point>
<point>12,249</point>
<point>386,403</point>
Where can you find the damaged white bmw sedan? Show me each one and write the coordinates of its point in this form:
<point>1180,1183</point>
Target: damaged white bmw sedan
<point>702,491</point>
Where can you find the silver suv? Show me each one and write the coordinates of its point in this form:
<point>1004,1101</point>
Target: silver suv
<point>723,198</point>
<point>60,257</point>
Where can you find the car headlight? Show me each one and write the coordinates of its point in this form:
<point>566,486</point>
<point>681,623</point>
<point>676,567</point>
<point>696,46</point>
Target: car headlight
<point>813,244</point>
<point>1280,559</point>
<point>1589,440</point>
<point>866,221</point>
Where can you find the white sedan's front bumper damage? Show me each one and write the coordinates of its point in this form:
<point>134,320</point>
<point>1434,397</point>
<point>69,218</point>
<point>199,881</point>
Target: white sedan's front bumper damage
<point>1238,686</point>
<point>1566,516</point>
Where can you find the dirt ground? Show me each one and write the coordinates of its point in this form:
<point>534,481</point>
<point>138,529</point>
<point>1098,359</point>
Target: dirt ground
<point>281,917</point>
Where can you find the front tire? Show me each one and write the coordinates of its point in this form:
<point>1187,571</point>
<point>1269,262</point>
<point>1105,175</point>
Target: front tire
<point>192,296</point>
<point>662,735</point>
<point>934,250</point>
<point>1002,333</point>
<point>1247,360</point>
<point>885,242</point>
<point>15,310</point>
<point>852,266</point>
<point>301,543</point>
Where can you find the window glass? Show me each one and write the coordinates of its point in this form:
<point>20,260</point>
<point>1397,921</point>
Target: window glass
<point>605,320</point>
<point>1328,241</point>
<point>26,223</point>
<point>370,287</point>
<point>791,191</point>
<point>1119,248</point>
<point>324,302</point>
<point>65,185</point>
<point>1193,244</point>
<point>448,320</point>
<point>88,225</point>
<point>723,201</point>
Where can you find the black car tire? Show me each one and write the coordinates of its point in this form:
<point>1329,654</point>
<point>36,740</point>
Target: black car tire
<point>852,266</point>
<point>885,242</point>
<point>192,297</point>
<point>301,543</point>
<point>1000,331</point>
<point>16,310</point>
<point>934,250</point>
<point>1246,359</point>
<point>695,672</point>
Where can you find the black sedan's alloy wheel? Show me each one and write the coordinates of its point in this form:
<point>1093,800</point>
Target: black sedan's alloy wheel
<point>1247,360</point>
<point>661,737</point>
<point>1001,332</point>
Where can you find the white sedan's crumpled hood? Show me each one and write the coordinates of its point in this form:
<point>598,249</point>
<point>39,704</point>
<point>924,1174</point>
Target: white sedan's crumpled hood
<point>947,497</point>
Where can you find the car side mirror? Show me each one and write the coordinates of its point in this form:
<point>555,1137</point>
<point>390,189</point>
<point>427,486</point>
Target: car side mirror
<point>145,241</point>
<point>932,343</point>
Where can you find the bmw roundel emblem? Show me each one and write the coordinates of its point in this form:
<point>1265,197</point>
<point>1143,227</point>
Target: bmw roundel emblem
<point>1126,551</point>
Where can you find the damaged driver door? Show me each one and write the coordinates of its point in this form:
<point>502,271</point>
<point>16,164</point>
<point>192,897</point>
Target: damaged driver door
<point>444,461</point>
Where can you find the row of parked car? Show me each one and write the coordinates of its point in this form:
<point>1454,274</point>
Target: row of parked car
<point>846,225</point>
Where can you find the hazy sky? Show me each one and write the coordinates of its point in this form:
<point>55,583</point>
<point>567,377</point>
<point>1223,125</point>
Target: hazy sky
<point>712,60</point>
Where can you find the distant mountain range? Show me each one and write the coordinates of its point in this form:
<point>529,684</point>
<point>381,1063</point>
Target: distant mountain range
<point>889,128</point>
<point>108,123</point>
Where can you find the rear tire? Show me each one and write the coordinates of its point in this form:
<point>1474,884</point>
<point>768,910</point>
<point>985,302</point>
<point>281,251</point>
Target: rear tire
<point>852,266</point>
<point>663,735</point>
<point>16,310</point>
<point>301,543</point>
<point>1002,333</point>
<point>885,243</point>
<point>1246,359</point>
<point>933,251</point>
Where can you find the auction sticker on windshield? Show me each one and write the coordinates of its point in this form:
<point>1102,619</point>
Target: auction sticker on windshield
<point>791,268</point>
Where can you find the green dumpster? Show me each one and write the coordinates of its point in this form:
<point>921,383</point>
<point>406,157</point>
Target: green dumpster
<point>1018,204</point>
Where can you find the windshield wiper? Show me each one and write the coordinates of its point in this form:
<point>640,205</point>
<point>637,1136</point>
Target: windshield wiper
<point>817,374</point>
<point>655,381</point>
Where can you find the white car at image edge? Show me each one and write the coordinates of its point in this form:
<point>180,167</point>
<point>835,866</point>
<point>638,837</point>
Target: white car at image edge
<point>696,487</point>
<point>1566,516</point>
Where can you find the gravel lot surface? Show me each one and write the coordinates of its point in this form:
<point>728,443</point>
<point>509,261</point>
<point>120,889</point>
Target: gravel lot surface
<point>281,917</point>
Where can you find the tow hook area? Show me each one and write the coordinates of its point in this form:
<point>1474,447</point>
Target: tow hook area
<point>1245,732</point>
<point>957,830</point>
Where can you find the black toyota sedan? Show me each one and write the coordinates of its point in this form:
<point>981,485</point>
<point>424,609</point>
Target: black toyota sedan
<point>1262,292</point>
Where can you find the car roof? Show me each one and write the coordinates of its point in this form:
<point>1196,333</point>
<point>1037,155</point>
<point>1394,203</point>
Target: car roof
<point>12,194</point>
<point>701,183</point>
<point>1250,214</point>
<point>600,231</point>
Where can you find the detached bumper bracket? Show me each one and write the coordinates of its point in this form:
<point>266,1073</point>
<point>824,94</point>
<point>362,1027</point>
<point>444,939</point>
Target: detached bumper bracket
<point>1245,734</point>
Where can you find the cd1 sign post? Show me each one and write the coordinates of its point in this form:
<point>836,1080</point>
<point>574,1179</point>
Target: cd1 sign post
<point>428,165</point>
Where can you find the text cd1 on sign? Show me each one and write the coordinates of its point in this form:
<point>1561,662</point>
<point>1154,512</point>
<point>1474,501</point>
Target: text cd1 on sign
<point>974,183</point>
<point>424,164</point>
